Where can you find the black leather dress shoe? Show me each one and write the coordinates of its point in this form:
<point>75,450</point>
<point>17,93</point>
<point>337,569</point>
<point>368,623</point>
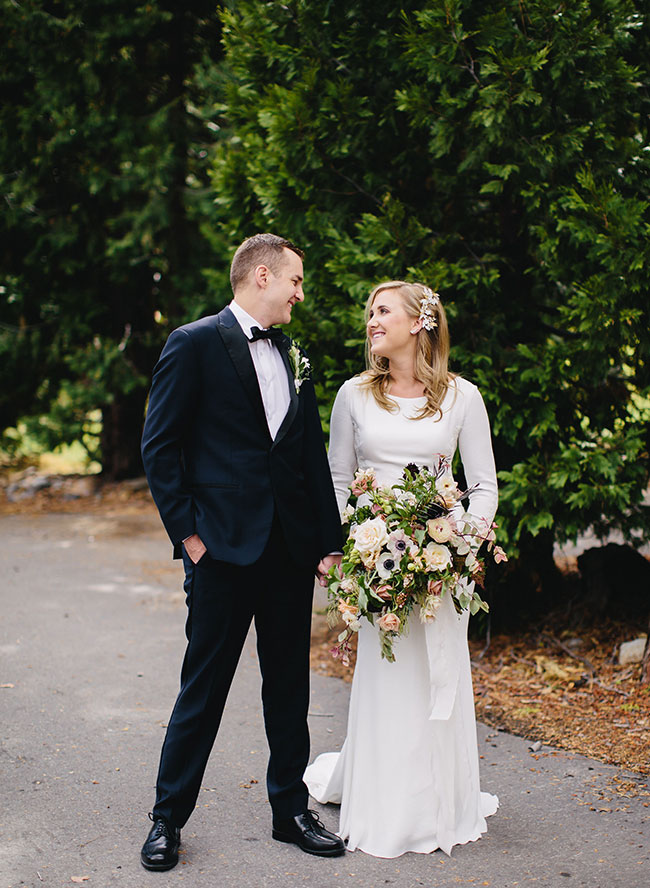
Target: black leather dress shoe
<point>160,851</point>
<point>307,832</point>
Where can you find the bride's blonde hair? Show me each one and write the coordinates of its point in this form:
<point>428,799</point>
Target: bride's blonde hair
<point>431,356</point>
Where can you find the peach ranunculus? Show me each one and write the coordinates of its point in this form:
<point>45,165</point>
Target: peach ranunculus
<point>434,587</point>
<point>440,529</point>
<point>436,557</point>
<point>389,623</point>
<point>369,539</point>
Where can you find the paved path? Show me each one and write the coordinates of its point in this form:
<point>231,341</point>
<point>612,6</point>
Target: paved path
<point>91,638</point>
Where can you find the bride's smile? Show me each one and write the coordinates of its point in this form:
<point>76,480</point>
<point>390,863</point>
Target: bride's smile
<point>390,329</point>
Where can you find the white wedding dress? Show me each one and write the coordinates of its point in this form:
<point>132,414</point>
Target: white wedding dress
<point>407,775</point>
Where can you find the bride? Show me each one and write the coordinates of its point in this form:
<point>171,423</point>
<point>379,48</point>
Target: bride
<point>407,775</point>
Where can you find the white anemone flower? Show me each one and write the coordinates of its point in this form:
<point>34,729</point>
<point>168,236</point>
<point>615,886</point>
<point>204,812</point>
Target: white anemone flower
<point>386,565</point>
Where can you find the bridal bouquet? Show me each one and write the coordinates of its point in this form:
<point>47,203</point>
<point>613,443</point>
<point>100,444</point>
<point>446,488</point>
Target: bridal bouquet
<point>407,545</point>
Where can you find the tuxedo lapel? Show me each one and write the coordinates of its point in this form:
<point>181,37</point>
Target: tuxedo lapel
<point>237,346</point>
<point>293,403</point>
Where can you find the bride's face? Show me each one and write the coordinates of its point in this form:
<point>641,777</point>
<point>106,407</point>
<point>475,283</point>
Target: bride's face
<point>389,326</point>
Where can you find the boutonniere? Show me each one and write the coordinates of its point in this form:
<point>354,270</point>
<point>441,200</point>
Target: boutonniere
<point>300,366</point>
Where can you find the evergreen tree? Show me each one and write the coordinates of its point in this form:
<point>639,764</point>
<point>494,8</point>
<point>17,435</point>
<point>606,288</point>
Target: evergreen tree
<point>103,152</point>
<point>499,152</point>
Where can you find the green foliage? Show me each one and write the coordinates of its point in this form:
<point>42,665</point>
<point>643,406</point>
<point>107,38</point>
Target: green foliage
<point>104,144</point>
<point>499,152</point>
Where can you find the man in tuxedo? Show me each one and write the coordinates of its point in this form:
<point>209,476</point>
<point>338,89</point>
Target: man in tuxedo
<point>235,459</point>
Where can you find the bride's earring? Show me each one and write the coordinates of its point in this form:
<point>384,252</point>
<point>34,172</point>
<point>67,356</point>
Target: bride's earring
<point>414,332</point>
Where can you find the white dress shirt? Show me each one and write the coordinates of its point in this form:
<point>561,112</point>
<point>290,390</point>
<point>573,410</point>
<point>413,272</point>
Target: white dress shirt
<point>270,369</point>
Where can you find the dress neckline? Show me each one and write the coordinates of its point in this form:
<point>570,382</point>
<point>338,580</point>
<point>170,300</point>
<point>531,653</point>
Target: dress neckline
<point>400,398</point>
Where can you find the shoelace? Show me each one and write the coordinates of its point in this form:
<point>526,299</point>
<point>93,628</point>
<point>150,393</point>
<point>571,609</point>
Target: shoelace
<point>161,828</point>
<point>315,818</point>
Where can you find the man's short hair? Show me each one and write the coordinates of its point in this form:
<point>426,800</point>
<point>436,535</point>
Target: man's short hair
<point>260,249</point>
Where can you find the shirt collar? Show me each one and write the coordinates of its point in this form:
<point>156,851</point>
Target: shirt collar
<point>244,320</point>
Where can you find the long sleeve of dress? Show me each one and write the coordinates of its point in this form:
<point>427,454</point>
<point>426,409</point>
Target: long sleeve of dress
<point>475,446</point>
<point>342,456</point>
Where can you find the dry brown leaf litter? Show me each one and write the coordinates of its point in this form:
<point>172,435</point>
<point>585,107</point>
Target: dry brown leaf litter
<point>529,685</point>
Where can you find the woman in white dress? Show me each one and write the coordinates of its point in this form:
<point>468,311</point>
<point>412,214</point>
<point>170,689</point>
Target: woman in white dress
<point>407,776</point>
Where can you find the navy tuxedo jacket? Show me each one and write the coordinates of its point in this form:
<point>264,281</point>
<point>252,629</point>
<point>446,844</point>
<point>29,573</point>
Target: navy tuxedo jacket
<point>212,466</point>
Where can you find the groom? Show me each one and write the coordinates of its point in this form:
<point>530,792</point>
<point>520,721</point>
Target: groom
<point>235,459</point>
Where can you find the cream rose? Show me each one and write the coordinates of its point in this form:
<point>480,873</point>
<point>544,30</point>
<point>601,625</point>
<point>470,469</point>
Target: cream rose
<point>389,623</point>
<point>369,539</point>
<point>440,530</point>
<point>429,608</point>
<point>436,557</point>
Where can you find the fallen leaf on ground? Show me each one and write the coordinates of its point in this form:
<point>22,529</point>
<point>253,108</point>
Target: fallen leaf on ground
<point>551,669</point>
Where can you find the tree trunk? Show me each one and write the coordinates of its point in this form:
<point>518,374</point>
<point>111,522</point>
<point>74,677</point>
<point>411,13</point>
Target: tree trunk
<point>120,438</point>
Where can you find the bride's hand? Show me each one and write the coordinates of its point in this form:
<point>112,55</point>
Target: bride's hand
<point>325,564</point>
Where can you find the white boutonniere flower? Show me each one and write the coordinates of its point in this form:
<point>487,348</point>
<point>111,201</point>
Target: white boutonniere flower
<point>300,366</point>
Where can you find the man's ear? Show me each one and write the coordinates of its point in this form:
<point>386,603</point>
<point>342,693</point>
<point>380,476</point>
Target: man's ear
<point>261,275</point>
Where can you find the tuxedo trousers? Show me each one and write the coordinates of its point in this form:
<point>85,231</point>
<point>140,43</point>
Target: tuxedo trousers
<point>223,599</point>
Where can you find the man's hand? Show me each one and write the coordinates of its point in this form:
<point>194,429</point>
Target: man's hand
<point>324,566</point>
<point>195,548</point>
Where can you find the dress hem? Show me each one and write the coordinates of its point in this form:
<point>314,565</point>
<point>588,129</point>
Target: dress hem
<point>474,837</point>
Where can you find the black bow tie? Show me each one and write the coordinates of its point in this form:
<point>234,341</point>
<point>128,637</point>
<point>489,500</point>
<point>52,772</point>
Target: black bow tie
<point>273,333</point>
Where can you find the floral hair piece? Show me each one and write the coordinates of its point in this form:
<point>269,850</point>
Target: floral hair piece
<point>427,309</point>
